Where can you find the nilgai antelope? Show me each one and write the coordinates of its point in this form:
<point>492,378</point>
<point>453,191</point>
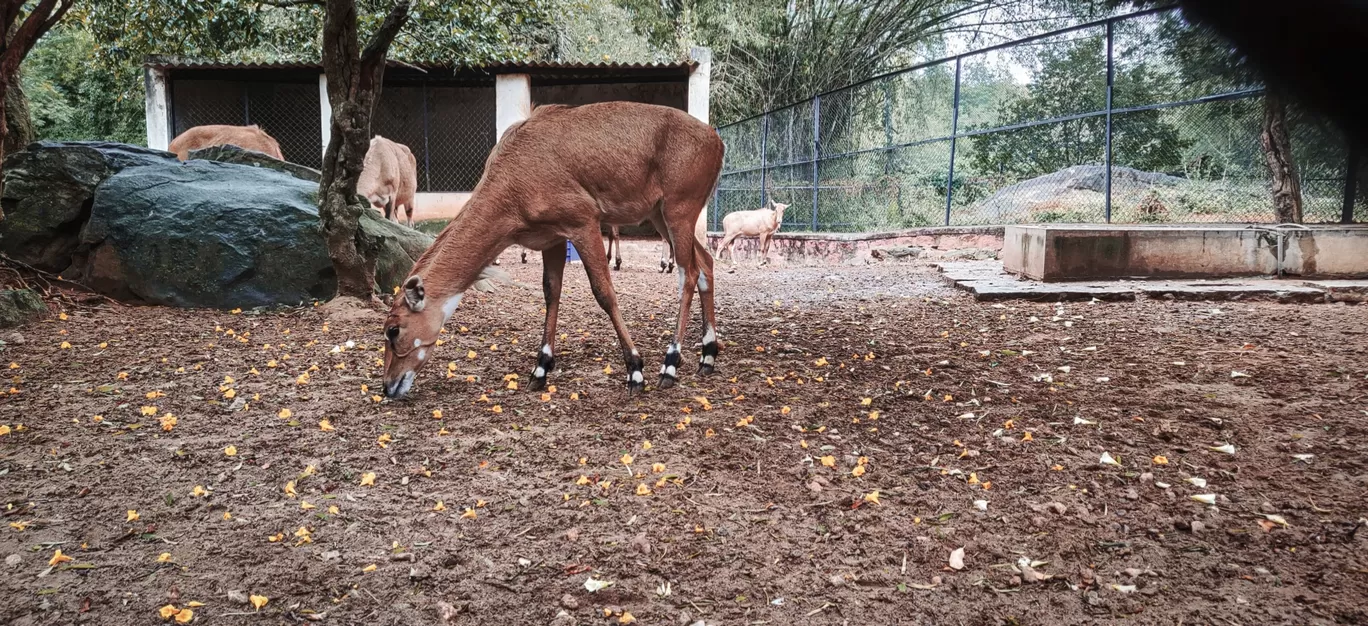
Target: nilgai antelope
<point>245,137</point>
<point>762,223</point>
<point>560,175</point>
<point>389,178</point>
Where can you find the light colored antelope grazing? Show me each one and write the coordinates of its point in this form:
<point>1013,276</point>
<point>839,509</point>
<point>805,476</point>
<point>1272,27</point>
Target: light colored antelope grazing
<point>208,136</point>
<point>561,175</point>
<point>762,223</point>
<point>389,178</point>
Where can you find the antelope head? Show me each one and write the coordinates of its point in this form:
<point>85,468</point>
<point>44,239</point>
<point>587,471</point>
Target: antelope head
<point>779,212</point>
<point>411,331</point>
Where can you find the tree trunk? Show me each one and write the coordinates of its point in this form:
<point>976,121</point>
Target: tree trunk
<point>18,120</point>
<point>354,82</point>
<point>4,133</point>
<point>1277,147</point>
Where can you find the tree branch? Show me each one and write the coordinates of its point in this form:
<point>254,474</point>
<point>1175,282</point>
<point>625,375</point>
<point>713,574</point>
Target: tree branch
<point>291,3</point>
<point>379,44</point>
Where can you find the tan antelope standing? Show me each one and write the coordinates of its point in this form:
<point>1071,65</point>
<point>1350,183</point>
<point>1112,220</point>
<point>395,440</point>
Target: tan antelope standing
<point>762,223</point>
<point>561,175</point>
<point>389,178</point>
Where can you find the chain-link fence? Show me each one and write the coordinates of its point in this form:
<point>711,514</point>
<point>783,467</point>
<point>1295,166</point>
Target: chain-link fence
<point>1138,118</point>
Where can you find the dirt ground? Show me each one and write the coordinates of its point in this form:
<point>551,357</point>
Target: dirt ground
<point>866,426</point>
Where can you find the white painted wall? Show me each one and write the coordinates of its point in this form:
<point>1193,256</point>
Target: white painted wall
<point>699,82</point>
<point>324,110</point>
<point>157,109</point>
<point>512,100</point>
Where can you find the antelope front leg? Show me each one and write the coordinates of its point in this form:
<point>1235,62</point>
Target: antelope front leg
<point>601,283</point>
<point>707,360</point>
<point>553,273</point>
<point>688,281</point>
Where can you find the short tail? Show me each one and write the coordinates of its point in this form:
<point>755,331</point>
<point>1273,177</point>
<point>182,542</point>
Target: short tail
<point>701,226</point>
<point>491,277</point>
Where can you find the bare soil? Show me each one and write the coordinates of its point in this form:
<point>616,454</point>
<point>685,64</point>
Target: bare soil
<point>939,400</point>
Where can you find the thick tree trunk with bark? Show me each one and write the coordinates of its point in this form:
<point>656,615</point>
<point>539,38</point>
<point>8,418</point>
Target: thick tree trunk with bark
<point>354,80</point>
<point>18,121</point>
<point>1277,147</point>
<point>17,37</point>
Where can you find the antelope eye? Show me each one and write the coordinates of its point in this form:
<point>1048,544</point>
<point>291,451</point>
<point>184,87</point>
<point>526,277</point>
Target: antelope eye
<point>392,333</point>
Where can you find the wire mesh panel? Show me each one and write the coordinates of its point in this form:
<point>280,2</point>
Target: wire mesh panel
<point>289,112</point>
<point>203,102</point>
<point>1138,118</point>
<point>461,128</point>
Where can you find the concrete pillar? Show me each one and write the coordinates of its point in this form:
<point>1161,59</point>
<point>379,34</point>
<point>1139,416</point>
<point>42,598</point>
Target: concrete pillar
<point>699,81</point>
<point>157,108</point>
<point>512,100</point>
<point>324,111</point>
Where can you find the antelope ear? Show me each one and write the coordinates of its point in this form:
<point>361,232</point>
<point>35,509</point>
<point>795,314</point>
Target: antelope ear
<point>413,293</point>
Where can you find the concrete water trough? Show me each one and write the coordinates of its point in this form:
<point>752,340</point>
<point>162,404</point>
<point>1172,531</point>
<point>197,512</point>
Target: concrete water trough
<point>1082,252</point>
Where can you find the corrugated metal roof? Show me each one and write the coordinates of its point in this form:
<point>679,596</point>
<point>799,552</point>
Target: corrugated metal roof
<point>504,67</point>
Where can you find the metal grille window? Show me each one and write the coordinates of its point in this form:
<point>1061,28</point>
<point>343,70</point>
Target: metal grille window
<point>287,111</point>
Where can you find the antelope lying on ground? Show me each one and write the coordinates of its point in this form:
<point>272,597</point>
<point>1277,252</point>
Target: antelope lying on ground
<point>561,175</point>
<point>245,137</point>
<point>389,178</point>
<point>762,223</point>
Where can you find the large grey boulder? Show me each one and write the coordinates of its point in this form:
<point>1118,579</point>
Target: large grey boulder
<point>1081,187</point>
<point>222,235</point>
<point>140,226</point>
<point>48,191</point>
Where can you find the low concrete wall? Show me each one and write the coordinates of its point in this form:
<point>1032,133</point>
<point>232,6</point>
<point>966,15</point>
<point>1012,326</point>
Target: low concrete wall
<point>858,249</point>
<point>1085,252</point>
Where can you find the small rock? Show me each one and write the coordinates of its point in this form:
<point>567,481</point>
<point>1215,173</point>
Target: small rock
<point>331,555</point>
<point>641,544</point>
<point>1198,527</point>
<point>563,619</point>
<point>13,561</point>
<point>1267,507</point>
<point>814,487</point>
<point>15,338</point>
<point>935,580</point>
<point>572,534</point>
<point>419,572</point>
<point>1146,477</point>
<point>447,611</point>
<point>1132,495</point>
<point>568,601</point>
<point>836,580</point>
<point>238,597</point>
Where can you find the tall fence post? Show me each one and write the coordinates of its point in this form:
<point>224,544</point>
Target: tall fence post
<point>1351,168</point>
<point>816,154</point>
<point>954,132</point>
<point>427,153</point>
<point>888,125</point>
<point>764,157</point>
<point>1107,137</point>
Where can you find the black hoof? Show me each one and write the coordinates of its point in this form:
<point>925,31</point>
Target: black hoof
<point>636,381</point>
<point>708,359</point>
<point>634,388</point>
<point>705,370</point>
<point>545,363</point>
<point>666,382</point>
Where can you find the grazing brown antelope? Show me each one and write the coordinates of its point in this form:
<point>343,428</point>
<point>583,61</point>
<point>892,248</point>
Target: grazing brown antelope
<point>762,223</point>
<point>389,178</point>
<point>560,175</point>
<point>245,137</point>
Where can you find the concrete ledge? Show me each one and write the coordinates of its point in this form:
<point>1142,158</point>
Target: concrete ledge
<point>859,248</point>
<point>1059,252</point>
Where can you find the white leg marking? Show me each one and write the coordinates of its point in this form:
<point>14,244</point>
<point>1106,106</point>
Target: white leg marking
<point>710,336</point>
<point>637,377</point>
<point>681,281</point>
<point>663,368</point>
<point>546,349</point>
<point>417,342</point>
<point>422,353</point>
<point>449,307</point>
<point>708,360</point>
<point>670,371</point>
<point>540,372</point>
<point>702,281</point>
<point>673,349</point>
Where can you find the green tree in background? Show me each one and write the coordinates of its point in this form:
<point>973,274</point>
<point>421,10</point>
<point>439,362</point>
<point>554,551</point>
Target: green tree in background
<point>72,96</point>
<point>1072,80</point>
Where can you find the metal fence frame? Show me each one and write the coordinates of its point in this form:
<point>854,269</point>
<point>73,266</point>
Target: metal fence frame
<point>1107,112</point>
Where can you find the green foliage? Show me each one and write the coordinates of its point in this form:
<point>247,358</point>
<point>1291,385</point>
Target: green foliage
<point>1072,80</point>
<point>73,97</point>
